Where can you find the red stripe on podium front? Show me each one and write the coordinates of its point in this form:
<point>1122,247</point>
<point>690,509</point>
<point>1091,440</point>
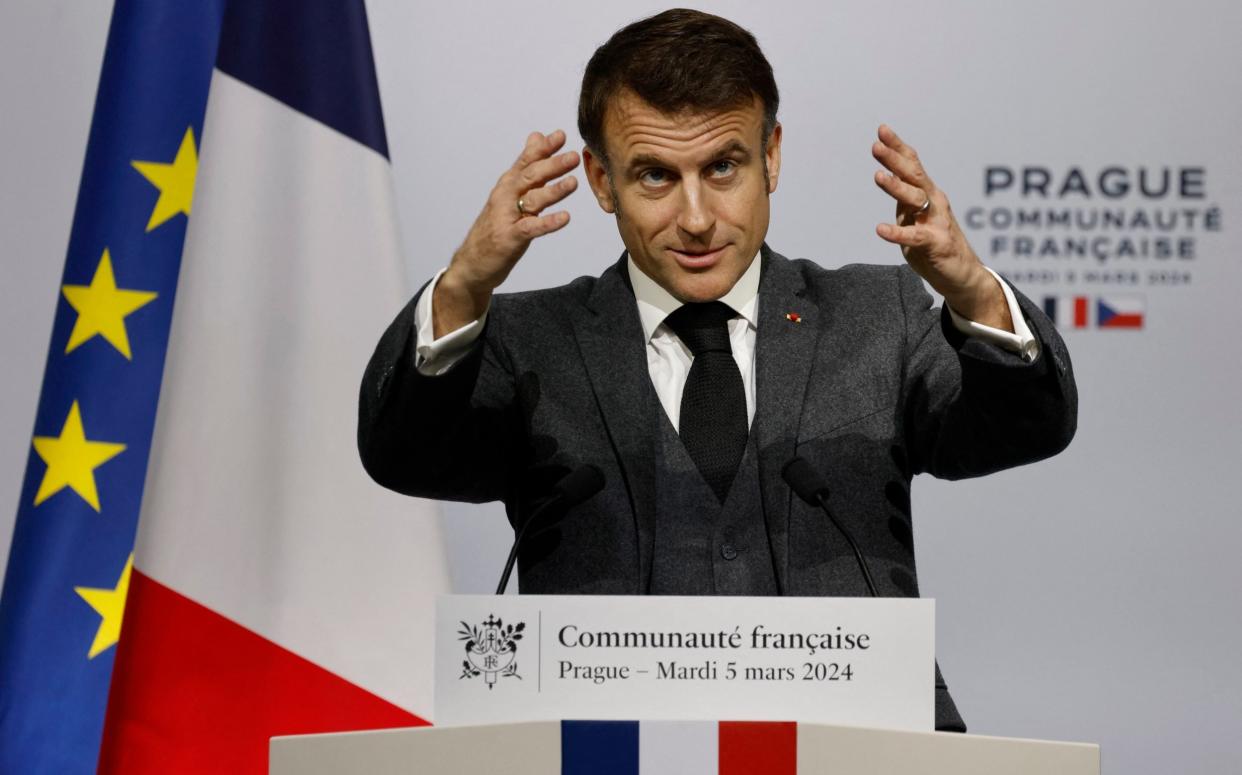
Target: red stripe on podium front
<point>193,692</point>
<point>758,748</point>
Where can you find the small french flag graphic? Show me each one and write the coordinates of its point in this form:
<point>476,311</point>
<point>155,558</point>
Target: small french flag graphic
<point>1068,311</point>
<point>1120,311</point>
<point>679,748</point>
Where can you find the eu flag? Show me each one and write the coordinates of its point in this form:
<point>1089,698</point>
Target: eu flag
<point>69,567</point>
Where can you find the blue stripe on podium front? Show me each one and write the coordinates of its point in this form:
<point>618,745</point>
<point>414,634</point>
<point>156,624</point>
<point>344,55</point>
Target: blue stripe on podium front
<point>599,748</point>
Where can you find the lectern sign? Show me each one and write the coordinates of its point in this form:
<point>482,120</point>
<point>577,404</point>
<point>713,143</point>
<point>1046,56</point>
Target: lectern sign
<point>858,661</point>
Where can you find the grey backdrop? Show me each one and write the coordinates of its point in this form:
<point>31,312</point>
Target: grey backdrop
<point>1091,597</point>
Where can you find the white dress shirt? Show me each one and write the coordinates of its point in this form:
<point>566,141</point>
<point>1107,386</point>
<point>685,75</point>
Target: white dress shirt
<point>668,359</point>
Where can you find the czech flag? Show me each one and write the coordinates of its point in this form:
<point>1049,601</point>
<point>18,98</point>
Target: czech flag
<point>1115,311</point>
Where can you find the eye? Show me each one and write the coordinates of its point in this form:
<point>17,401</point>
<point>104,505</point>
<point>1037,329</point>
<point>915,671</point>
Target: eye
<point>654,176</point>
<point>722,168</point>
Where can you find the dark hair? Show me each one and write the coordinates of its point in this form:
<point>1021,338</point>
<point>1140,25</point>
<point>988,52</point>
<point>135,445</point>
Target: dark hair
<point>674,61</point>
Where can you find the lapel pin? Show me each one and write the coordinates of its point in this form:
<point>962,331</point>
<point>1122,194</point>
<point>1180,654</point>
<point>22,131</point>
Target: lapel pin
<point>793,317</point>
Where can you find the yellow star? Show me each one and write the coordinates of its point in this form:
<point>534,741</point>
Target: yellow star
<point>72,459</point>
<point>175,181</point>
<point>109,604</point>
<point>102,308</point>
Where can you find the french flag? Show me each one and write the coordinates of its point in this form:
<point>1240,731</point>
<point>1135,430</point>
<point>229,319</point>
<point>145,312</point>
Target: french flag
<point>1117,311</point>
<point>678,748</point>
<point>1068,311</point>
<point>276,590</point>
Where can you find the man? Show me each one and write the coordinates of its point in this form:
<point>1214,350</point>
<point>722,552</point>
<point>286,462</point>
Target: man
<point>702,362</point>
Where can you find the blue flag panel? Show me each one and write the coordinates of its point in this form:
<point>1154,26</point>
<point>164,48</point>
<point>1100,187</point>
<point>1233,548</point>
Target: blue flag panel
<point>68,570</point>
<point>599,748</point>
<point>313,56</point>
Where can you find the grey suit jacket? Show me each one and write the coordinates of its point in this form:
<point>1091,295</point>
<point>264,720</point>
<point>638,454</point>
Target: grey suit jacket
<point>872,385</point>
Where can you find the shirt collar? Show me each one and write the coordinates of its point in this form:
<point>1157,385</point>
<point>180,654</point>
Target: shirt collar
<point>655,303</point>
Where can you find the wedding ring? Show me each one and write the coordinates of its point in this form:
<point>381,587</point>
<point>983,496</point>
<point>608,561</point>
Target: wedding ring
<point>521,206</point>
<point>926,206</point>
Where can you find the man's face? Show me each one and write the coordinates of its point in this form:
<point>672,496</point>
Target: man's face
<point>688,190</point>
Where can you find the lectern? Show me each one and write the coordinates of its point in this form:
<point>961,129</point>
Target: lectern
<point>549,748</point>
<point>857,674</point>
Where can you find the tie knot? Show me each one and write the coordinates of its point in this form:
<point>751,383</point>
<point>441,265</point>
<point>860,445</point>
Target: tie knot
<point>703,326</point>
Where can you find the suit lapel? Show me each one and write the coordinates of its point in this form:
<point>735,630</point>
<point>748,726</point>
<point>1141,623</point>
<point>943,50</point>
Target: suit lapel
<point>610,340</point>
<point>784,350</point>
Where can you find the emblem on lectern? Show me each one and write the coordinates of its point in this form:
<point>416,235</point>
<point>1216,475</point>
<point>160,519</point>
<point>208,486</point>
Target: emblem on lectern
<point>491,650</point>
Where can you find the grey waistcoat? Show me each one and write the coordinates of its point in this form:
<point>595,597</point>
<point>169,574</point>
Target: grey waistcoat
<point>703,547</point>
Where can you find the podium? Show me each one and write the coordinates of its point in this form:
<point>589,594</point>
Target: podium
<point>536,747</point>
<point>504,665</point>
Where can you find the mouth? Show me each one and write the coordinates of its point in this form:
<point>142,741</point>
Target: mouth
<point>698,259</point>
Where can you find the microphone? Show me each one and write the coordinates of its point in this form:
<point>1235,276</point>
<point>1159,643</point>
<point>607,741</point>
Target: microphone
<point>573,488</point>
<point>811,487</point>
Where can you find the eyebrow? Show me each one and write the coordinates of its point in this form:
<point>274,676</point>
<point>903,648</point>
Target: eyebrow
<point>732,148</point>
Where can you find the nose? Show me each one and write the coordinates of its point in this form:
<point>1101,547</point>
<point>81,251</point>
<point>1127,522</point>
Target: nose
<point>695,217</point>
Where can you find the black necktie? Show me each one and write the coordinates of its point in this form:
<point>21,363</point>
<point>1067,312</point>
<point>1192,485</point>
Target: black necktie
<point>713,404</point>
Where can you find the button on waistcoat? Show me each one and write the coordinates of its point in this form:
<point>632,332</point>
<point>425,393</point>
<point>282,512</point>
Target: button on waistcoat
<point>703,546</point>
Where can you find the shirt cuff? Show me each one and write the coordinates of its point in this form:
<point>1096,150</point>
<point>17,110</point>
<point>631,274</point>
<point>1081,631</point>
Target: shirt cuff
<point>1020,341</point>
<point>434,357</point>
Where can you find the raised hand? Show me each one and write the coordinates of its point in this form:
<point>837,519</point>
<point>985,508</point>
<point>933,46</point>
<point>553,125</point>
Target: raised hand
<point>931,240</point>
<point>511,219</point>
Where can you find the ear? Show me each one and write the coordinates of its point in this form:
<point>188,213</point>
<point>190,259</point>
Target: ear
<point>774,158</point>
<point>597,177</point>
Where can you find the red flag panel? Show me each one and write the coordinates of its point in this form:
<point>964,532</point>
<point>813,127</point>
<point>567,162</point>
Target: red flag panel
<point>204,694</point>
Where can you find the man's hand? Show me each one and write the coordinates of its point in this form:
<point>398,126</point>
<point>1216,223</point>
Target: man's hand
<point>502,232</point>
<point>930,239</point>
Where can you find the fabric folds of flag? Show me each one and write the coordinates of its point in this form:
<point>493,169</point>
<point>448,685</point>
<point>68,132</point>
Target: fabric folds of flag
<point>275,589</point>
<point>69,566</point>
